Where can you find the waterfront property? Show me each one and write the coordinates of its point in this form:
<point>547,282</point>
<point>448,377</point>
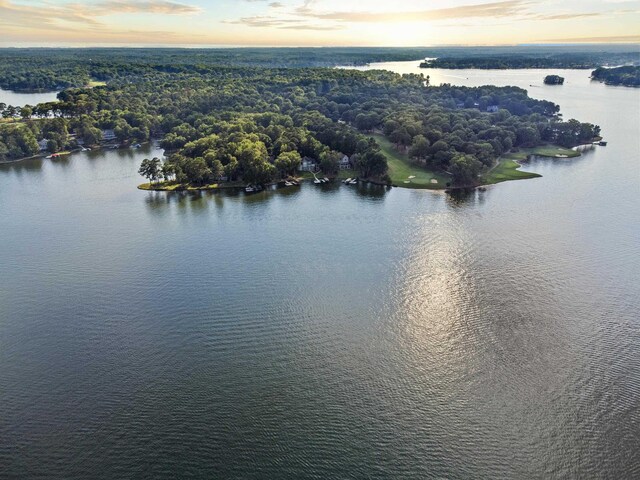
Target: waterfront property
<point>308,164</point>
<point>108,135</point>
<point>344,163</point>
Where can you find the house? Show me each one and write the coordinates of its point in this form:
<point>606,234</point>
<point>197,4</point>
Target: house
<point>108,135</point>
<point>43,144</point>
<point>344,163</point>
<point>492,108</point>
<point>308,164</point>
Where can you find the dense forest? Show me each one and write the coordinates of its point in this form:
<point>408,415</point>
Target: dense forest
<point>255,124</point>
<point>575,60</point>
<point>628,76</point>
<point>56,69</point>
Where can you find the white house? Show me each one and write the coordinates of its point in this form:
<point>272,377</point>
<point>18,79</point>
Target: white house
<point>308,164</point>
<point>344,163</point>
<point>43,144</point>
<point>108,135</point>
<point>492,108</point>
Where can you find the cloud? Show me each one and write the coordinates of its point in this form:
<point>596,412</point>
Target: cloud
<point>48,14</point>
<point>507,8</point>
<point>71,19</point>
<point>25,15</point>
<point>567,16</point>
<point>336,20</point>
<point>112,7</point>
<point>612,39</point>
<point>280,23</point>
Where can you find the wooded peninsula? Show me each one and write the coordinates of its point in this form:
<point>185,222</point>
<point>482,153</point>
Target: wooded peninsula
<point>255,125</point>
<point>628,76</point>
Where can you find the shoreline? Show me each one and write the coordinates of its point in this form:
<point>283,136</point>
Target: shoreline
<point>504,170</point>
<point>507,168</point>
<point>44,155</point>
<point>180,187</point>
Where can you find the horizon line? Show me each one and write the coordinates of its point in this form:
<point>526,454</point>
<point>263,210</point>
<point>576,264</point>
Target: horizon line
<point>226,46</point>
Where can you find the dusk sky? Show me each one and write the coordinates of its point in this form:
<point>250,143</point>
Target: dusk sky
<point>316,22</point>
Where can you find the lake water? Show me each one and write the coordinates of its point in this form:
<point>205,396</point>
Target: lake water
<point>326,332</point>
<point>18,99</point>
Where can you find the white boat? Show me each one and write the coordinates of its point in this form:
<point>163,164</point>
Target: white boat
<point>249,189</point>
<point>347,180</point>
<point>287,184</point>
<point>317,181</point>
<point>325,179</point>
<point>353,182</point>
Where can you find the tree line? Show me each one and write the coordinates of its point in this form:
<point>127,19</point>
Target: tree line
<point>38,69</point>
<point>535,59</point>
<point>627,75</point>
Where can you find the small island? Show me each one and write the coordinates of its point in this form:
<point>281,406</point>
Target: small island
<point>628,76</point>
<point>553,80</point>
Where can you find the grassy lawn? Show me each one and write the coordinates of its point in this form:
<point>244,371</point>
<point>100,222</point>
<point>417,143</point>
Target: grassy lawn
<point>401,168</point>
<point>307,175</point>
<point>507,170</point>
<point>551,151</point>
<point>344,174</point>
<point>96,83</point>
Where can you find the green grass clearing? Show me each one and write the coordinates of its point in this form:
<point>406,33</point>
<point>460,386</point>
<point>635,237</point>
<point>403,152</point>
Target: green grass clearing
<point>551,151</point>
<point>401,168</point>
<point>344,174</point>
<point>505,170</point>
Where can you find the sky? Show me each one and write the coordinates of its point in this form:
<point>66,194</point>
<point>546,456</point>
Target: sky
<point>316,22</point>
